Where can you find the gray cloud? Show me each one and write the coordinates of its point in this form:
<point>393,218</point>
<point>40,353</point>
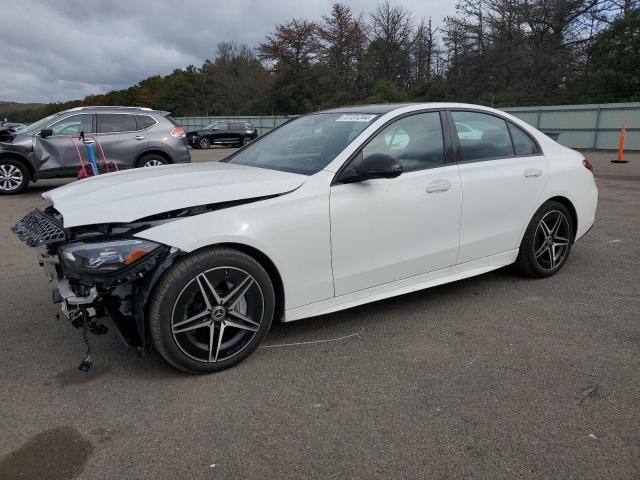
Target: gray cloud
<point>54,51</point>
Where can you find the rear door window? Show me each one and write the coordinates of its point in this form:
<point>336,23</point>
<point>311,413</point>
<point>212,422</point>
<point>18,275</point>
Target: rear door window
<point>116,123</point>
<point>482,136</point>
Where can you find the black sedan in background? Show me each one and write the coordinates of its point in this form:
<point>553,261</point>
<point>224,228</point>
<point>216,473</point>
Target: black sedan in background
<point>225,133</point>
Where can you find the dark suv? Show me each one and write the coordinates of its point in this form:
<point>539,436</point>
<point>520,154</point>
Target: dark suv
<point>234,134</point>
<point>130,136</point>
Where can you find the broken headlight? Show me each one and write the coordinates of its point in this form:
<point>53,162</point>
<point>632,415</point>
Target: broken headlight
<point>106,256</point>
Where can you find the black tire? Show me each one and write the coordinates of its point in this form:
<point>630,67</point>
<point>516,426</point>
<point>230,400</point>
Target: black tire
<point>204,143</point>
<point>151,160</point>
<point>188,344</point>
<point>243,141</point>
<point>544,251</point>
<point>14,176</point>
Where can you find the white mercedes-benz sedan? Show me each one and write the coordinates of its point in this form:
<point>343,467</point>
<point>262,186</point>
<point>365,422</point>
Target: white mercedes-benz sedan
<point>328,211</point>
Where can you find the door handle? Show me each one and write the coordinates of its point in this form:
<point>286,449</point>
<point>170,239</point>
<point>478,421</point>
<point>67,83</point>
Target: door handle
<point>140,137</point>
<point>438,186</point>
<point>532,173</point>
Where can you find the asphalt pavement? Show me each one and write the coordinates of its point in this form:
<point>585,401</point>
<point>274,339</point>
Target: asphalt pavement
<point>497,376</point>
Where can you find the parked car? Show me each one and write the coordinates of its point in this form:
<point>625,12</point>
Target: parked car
<point>326,212</point>
<point>9,127</point>
<point>226,133</point>
<point>467,132</point>
<point>130,137</point>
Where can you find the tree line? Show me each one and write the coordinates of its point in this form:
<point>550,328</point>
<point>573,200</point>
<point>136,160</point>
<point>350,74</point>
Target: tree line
<point>492,52</point>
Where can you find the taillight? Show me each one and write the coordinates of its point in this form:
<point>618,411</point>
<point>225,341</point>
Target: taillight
<point>587,165</point>
<point>178,132</point>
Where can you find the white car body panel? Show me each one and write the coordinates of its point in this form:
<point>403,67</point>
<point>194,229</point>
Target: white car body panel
<point>292,230</point>
<point>400,287</point>
<point>498,198</point>
<point>474,227</point>
<point>128,195</point>
<point>379,227</point>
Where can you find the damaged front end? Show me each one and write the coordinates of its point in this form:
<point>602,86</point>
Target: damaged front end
<point>99,270</point>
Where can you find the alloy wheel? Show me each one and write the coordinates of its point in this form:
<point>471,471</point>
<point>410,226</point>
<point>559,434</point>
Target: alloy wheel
<point>204,143</point>
<point>153,163</point>
<point>551,241</point>
<point>11,177</point>
<point>217,314</point>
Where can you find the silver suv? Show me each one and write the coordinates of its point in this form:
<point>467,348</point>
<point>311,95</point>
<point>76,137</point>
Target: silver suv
<point>130,136</point>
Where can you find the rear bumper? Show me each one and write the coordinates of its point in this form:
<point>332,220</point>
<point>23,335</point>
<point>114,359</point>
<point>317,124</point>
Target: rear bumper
<point>184,157</point>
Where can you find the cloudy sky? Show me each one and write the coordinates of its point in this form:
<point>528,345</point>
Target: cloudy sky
<point>62,50</point>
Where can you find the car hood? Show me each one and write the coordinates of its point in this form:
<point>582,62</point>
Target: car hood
<point>130,195</point>
<point>14,141</point>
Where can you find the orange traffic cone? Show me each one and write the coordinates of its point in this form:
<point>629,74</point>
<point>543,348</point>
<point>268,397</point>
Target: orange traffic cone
<point>623,128</point>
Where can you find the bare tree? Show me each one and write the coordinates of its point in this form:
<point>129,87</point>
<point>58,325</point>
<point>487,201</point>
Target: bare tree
<point>344,43</point>
<point>423,52</point>
<point>294,43</point>
<point>392,34</point>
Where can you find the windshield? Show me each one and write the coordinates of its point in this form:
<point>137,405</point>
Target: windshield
<point>37,126</point>
<point>211,125</point>
<point>305,145</point>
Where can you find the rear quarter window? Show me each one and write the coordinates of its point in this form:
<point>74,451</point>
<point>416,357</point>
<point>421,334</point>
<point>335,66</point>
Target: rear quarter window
<point>146,121</point>
<point>522,143</point>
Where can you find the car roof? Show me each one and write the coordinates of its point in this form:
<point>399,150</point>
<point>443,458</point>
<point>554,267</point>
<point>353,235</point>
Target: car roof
<point>114,109</point>
<point>382,108</point>
<point>378,108</point>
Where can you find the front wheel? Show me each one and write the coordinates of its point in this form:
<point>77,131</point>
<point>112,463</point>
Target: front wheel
<point>204,143</point>
<point>211,310</point>
<point>547,241</point>
<point>14,177</point>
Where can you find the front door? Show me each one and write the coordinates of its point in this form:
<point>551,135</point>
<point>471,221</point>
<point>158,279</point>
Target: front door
<point>385,230</point>
<point>56,155</point>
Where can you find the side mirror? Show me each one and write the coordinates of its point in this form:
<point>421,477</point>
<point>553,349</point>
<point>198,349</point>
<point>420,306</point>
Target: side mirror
<point>47,132</point>
<point>376,165</point>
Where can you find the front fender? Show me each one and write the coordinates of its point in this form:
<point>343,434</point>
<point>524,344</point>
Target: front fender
<point>293,231</point>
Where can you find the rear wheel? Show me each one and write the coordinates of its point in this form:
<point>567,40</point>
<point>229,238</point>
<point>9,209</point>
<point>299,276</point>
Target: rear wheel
<point>204,143</point>
<point>14,177</point>
<point>547,241</point>
<point>211,310</point>
<point>151,160</point>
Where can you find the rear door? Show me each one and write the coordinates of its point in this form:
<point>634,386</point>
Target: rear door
<point>503,174</point>
<point>122,138</point>
<point>56,155</point>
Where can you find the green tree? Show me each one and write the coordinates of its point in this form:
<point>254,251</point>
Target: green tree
<point>612,70</point>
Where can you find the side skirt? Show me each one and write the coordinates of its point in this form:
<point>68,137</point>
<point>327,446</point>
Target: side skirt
<point>400,287</point>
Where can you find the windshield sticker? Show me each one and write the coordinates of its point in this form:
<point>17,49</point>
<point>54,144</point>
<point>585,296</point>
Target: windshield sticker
<point>356,117</point>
